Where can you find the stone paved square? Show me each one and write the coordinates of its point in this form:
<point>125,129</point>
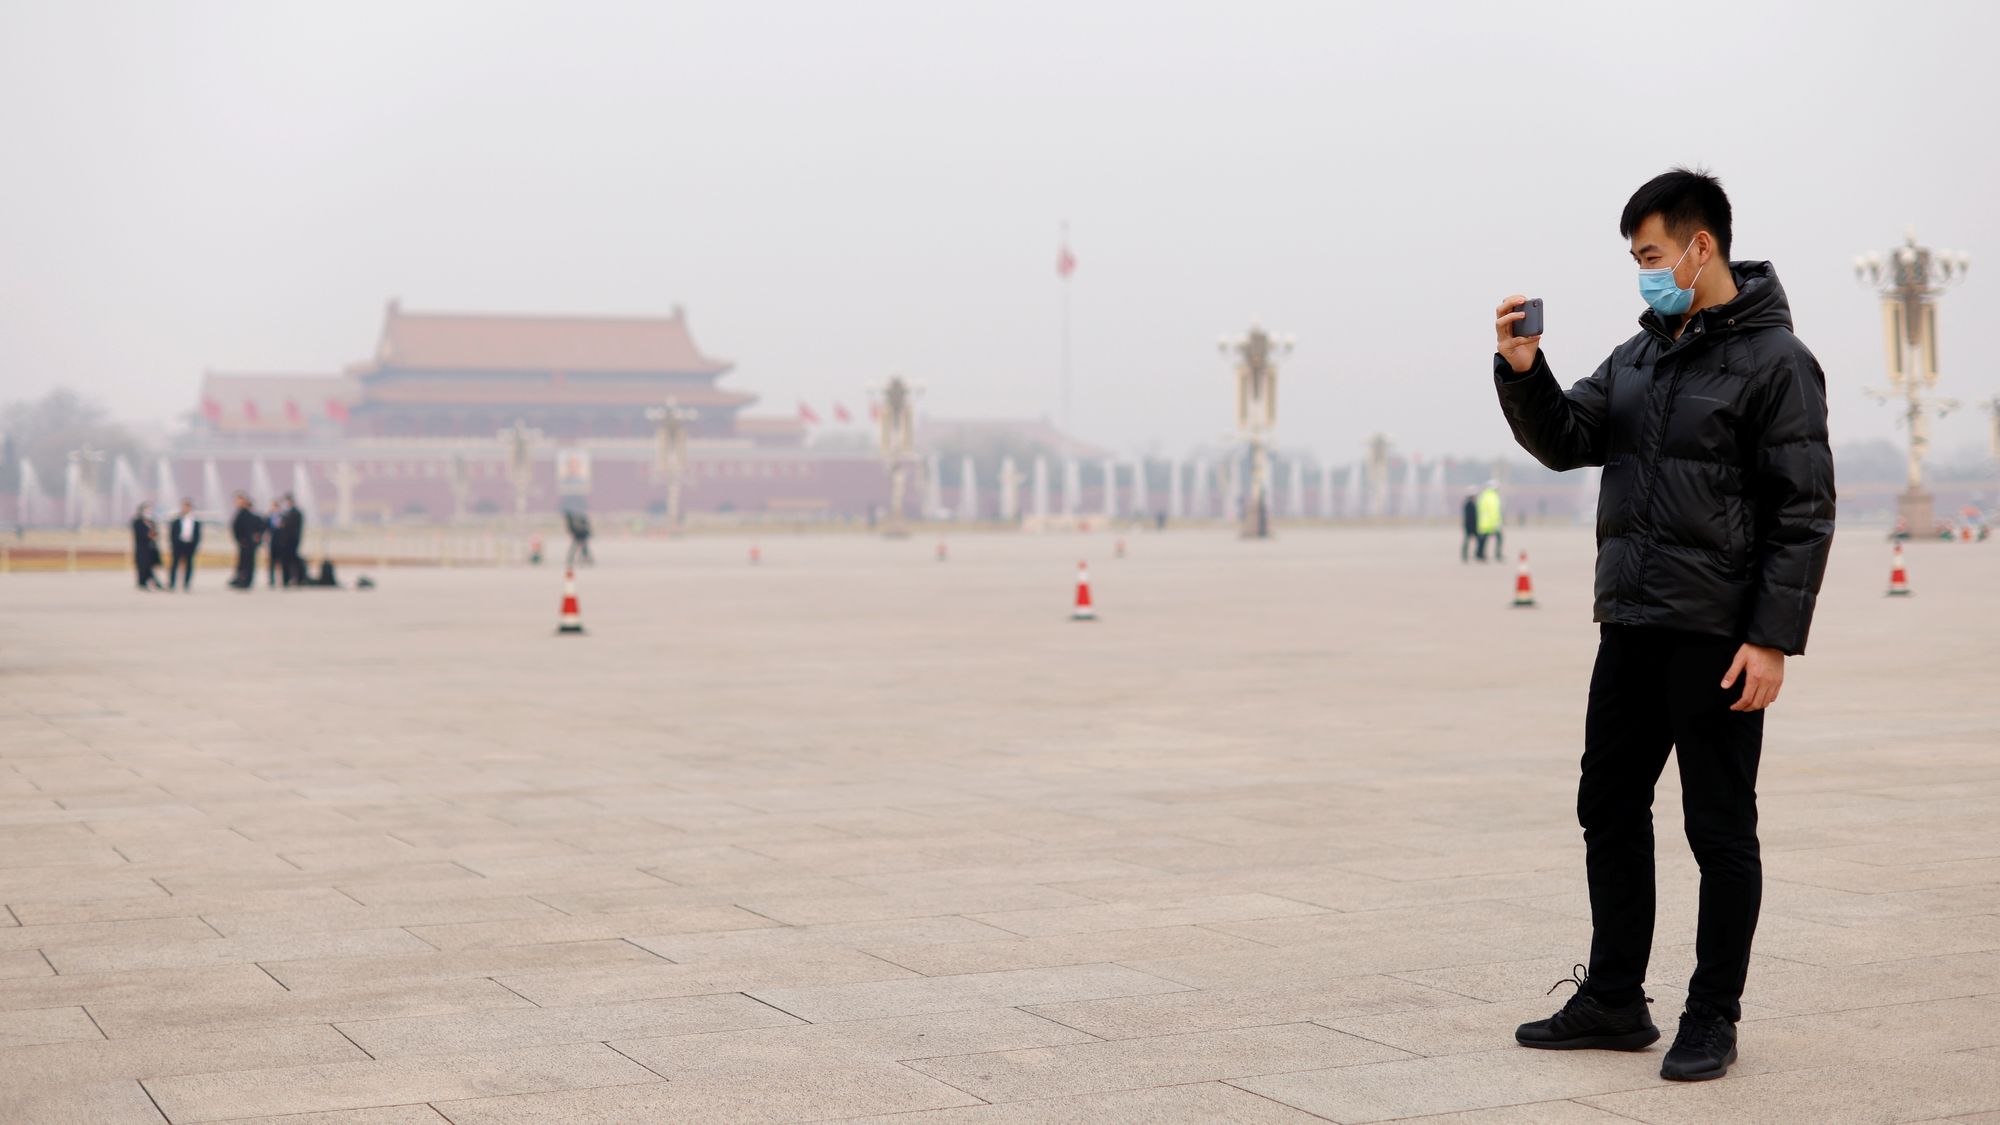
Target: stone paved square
<point>853,834</point>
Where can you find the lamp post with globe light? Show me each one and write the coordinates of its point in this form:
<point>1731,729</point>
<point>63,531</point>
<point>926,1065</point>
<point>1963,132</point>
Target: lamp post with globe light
<point>896,409</point>
<point>518,441</point>
<point>80,491</point>
<point>1257,354</point>
<point>1910,279</point>
<point>670,453</point>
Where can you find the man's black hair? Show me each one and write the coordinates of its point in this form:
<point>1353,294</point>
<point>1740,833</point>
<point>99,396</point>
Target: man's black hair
<point>1686,201</point>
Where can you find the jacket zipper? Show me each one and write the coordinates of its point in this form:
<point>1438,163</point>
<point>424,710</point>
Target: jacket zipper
<point>1653,464</point>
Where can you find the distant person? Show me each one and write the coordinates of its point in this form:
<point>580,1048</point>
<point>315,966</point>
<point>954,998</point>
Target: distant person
<point>293,536</point>
<point>274,526</point>
<point>579,536</point>
<point>146,548</point>
<point>1488,522</point>
<point>1472,535</point>
<point>1713,525</point>
<point>247,528</point>
<point>183,540</point>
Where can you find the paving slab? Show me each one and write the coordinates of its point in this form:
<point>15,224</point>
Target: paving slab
<point>1194,1101</point>
<point>419,1114</point>
<point>1451,1083</point>
<point>543,929</point>
<point>1009,988</point>
<point>1162,1060</point>
<point>992,955</point>
<point>111,1102</point>
<point>151,1056</point>
<point>1215,1009</point>
<point>28,1026</point>
<point>360,1085</point>
<point>801,1094</point>
<point>583,1023</point>
<point>214,950</point>
<point>330,973</point>
<point>346,914</point>
<point>146,1014</point>
<point>660,980</point>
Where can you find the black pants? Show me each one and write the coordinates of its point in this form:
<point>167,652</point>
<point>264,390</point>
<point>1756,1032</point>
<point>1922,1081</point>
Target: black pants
<point>181,570</point>
<point>1654,690</point>
<point>246,564</point>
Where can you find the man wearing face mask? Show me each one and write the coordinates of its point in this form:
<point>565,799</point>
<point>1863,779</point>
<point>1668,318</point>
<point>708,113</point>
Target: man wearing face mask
<point>1714,518</point>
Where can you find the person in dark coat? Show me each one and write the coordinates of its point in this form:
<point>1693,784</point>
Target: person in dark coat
<point>184,541</point>
<point>579,536</point>
<point>1714,519</point>
<point>146,548</point>
<point>1472,535</point>
<point>247,528</point>
<point>293,536</point>
<point>274,535</point>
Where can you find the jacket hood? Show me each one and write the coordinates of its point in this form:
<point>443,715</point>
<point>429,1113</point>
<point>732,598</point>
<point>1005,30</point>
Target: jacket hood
<point>1759,303</point>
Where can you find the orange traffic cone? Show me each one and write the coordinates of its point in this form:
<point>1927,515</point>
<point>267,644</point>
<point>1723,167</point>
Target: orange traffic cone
<point>1083,611</point>
<point>571,621</point>
<point>941,555</point>
<point>1899,579</point>
<point>1524,586</point>
<point>756,556</point>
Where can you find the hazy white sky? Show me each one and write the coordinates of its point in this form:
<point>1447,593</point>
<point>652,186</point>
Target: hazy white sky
<point>835,190</point>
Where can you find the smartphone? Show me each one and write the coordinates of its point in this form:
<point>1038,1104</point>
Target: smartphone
<point>1530,324</point>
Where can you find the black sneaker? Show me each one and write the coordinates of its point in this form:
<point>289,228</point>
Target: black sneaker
<point>1703,1048</point>
<point>1588,1023</point>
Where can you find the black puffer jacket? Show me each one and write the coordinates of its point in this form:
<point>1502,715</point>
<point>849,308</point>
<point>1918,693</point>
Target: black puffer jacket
<point>1716,509</point>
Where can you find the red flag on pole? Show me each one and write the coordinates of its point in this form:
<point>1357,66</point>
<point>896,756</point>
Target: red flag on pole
<point>336,410</point>
<point>211,410</point>
<point>1065,261</point>
<point>292,414</point>
<point>841,415</point>
<point>807,415</point>
<point>250,409</point>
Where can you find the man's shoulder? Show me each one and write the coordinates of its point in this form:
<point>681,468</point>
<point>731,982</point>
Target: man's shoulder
<point>1777,346</point>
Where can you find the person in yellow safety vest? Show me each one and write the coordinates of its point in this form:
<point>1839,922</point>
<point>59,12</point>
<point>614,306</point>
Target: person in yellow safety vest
<point>1488,506</point>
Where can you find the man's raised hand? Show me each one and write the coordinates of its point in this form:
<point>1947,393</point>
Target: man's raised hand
<point>1518,351</point>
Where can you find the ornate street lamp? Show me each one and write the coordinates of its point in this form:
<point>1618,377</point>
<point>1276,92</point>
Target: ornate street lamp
<point>896,411</point>
<point>670,452</point>
<point>1257,354</point>
<point>1910,280</point>
<point>519,441</point>
<point>81,487</point>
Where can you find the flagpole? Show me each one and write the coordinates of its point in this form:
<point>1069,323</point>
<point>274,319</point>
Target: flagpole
<point>1065,267</point>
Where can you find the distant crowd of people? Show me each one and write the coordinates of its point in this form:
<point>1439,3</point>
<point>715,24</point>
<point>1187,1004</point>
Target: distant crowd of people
<point>279,532</point>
